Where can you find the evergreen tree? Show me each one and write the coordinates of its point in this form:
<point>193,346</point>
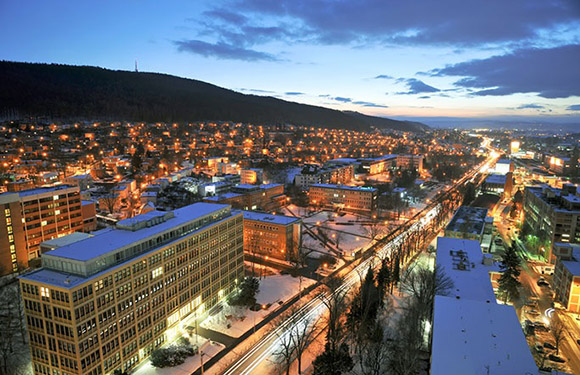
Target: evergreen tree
<point>509,280</point>
<point>333,362</point>
<point>384,279</point>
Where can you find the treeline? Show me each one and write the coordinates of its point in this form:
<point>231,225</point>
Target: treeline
<point>63,91</point>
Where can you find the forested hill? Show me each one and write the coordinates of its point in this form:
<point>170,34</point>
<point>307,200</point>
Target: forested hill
<point>66,92</point>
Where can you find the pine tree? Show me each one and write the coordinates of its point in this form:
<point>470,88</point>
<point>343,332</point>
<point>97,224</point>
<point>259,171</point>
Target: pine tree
<point>509,280</point>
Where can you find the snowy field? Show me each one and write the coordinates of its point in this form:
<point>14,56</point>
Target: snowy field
<point>274,290</point>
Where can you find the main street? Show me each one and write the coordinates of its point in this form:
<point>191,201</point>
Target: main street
<point>259,358</point>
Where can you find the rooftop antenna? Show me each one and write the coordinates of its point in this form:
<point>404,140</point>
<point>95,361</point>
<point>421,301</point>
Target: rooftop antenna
<point>136,69</point>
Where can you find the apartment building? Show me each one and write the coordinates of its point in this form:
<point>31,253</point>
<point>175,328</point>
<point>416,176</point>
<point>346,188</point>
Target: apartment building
<point>410,162</point>
<point>252,176</point>
<point>105,302</point>
<point>36,215</point>
<point>471,223</point>
<point>275,236</point>
<point>331,174</point>
<point>567,276</point>
<point>348,198</point>
<point>553,214</point>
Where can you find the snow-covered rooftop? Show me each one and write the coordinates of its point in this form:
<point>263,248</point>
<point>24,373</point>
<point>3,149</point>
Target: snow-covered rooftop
<point>462,261</point>
<point>344,187</point>
<point>268,218</point>
<point>477,337</point>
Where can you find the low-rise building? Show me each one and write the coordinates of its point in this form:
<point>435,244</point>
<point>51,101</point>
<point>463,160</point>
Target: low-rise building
<point>469,223</point>
<point>500,184</point>
<point>275,236</point>
<point>252,176</point>
<point>266,197</point>
<point>348,198</point>
<point>410,162</point>
<point>567,275</point>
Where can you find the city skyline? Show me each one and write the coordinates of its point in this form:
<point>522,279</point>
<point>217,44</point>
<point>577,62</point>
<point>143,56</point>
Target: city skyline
<point>515,60</point>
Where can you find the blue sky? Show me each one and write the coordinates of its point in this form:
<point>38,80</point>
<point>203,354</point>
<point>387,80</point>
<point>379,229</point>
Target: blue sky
<point>392,58</point>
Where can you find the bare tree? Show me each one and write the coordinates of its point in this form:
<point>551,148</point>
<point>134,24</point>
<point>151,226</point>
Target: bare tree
<point>335,300</point>
<point>558,330</point>
<point>405,348</point>
<point>422,284</point>
<point>300,330</point>
<point>110,202</point>
<point>11,324</point>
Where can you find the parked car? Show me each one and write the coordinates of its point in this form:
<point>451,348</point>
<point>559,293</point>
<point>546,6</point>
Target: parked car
<point>555,358</point>
<point>539,348</point>
<point>532,312</point>
<point>549,346</point>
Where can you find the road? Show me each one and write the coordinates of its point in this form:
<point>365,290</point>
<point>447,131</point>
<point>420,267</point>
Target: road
<point>258,359</point>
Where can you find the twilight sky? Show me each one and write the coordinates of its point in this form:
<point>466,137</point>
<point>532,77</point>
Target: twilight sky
<point>394,58</point>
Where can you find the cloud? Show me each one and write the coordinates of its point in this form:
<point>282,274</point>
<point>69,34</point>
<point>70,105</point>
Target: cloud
<point>445,22</point>
<point>258,91</point>
<point>530,106</point>
<point>343,100</point>
<point>550,72</point>
<point>222,50</point>
<point>573,107</point>
<point>293,93</point>
<point>384,76</point>
<point>416,86</point>
<point>370,104</point>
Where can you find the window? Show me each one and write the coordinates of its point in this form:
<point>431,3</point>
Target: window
<point>157,272</point>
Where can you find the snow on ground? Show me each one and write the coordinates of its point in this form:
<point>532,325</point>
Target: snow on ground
<point>292,210</point>
<point>274,290</point>
<point>191,364</point>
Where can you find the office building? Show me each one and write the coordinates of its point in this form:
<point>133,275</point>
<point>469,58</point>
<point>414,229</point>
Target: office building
<point>275,236</point>
<point>553,215</point>
<point>348,198</point>
<point>36,215</point>
<point>105,302</point>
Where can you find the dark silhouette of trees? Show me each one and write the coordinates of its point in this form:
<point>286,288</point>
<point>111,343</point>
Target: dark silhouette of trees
<point>509,282</point>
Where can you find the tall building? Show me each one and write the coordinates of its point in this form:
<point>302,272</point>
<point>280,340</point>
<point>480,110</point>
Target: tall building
<point>276,236</point>
<point>348,198</point>
<point>103,303</point>
<point>553,214</point>
<point>36,215</point>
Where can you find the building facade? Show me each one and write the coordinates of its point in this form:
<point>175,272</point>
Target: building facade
<point>104,303</point>
<point>567,276</point>
<point>252,176</point>
<point>36,215</point>
<point>348,198</point>
<point>410,162</point>
<point>275,236</point>
<point>553,214</point>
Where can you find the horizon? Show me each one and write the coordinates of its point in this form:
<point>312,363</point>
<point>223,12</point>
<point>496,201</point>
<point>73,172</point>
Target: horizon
<point>401,61</point>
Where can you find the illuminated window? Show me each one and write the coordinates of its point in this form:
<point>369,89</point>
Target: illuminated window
<point>157,272</point>
<point>44,292</point>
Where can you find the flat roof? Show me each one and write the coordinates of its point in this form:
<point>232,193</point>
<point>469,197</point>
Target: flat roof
<point>475,338</point>
<point>468,219</point>
<point>66,240</point>
<point>462,262</point>
<point>41,190</point>
<point>222,196</point>
<point>112,239</point>
<point>269,218</point>
<point>496,179</point>
<point>344,187</point>
<point>573,265</point>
